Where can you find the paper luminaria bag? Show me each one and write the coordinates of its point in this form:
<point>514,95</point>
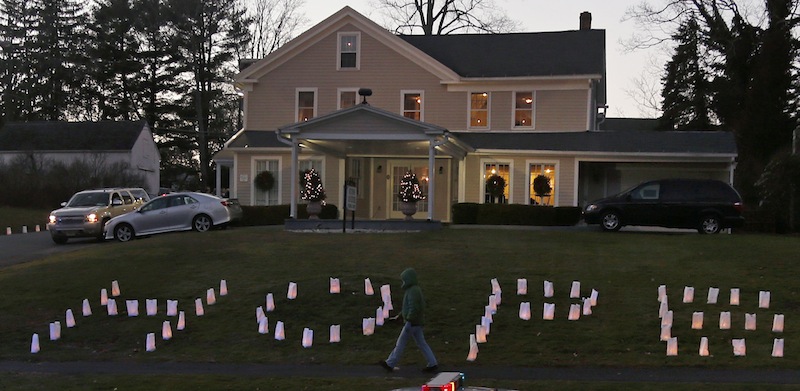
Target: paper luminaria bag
<point>291,294</point>
<point>70,318</point>
<point>151,307</point>
<point>548,311</point>
<point>522,286</point>
<point>150,342</point>
<point>211,298</point>
<point>734,296</point>
<point>263,325</point>
<point>575,290</point>
<point>308,337</point>
<point>368,287</point>
<point>724,320</point>
<point>335,287</point>
<point>132,307</point>
<point>166,330</point>
<point>763,299</point>
<point>574,312</point>
<point>739,347</point>
<point>115,288</point>
<point>777,347</point>
<point>279,333</point>
<point>672,346</point>
<point>777,323</point>
<point>181,321</point>
<point>548,289</point>
<point>703,351</point>
<point>750,322</point>
<point>335,333</point>
<point>223,288</point>
<point>525,310</point>
<point>198,307</point>
<point>713,294</point>
<point>473,348</point>
<point>87,309</point>
<point>697,320</point>
<point>688,294</point>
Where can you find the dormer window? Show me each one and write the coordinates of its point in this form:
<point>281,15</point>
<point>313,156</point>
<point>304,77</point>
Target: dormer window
<point>349,47</point>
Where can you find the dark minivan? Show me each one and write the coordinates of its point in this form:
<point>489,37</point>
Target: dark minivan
<point>702,204</point>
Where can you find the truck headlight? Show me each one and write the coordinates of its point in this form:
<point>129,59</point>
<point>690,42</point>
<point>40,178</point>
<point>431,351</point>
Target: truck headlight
<point>52,219</point>
<point>92,218</point>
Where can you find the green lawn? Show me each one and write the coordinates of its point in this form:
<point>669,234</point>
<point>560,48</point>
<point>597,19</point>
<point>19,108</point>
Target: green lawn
<point>16,218</point>
<point>455,268</point>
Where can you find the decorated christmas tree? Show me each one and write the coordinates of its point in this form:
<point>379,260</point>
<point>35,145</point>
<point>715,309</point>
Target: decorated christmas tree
<point>311,186</point>
<point>409,188</point>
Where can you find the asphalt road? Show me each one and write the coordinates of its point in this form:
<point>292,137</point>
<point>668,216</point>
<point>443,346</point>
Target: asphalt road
<point>19,248</point>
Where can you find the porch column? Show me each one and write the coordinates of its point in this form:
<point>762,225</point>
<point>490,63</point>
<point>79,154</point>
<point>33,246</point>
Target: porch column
<point>431,177</point>
<point>218,179</point>
<point>293,179</point>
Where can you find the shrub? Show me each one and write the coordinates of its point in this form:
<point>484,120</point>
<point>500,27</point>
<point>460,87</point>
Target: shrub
<point>465,213</point>
<point>515,214</point>
<point>277,214</point>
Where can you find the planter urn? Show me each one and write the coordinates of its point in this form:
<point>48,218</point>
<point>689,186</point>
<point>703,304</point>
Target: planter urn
<point>314,208</point>
<point>408,209</point>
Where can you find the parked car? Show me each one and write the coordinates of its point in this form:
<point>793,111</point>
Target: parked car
<point>235,209</point>
<point>87,211</point>
<point>172,212</point>
<point>705,205</point>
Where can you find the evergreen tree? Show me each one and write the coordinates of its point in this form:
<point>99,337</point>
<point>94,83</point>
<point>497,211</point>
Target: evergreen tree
<point>686,87</point>
<point>16,76</point>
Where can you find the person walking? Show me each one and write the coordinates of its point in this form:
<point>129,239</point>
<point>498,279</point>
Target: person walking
<point>413,314</point>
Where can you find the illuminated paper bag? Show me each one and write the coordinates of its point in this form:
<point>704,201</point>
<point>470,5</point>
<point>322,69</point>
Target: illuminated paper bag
<point>473,348</point>
<point>308,337</point>
<point>103,296</point>
<point>172,307</point>
<point>750,321</point>
<point>593,297</point>
<point>166,330</point>
<point>211,298</point>
<point>672,346</point>
<point>111,306</point>
<point>777,347</point>
<point>150,342</point>
<point>70,319</point>
<point>763,299</point>
<point>35,343</point>
<point>703,351</point>
<point>335,287</point>
<point>662,309</point>
<point>495,286</point>
<point>548,311</point>
<point>291,293</point>
<point>522,286</point>
<point>198,307</point>
<point>335,333</point>
<point>480,333</point>
<point>662,292</point>
<point>223,288</point>
<point>734,296</point>
<point>666,320</point>
<point>697,320</point>
<point>270,303</point>
<point>379,318</point>
<point>498,297</point>
<point>574,312</point>
<point>525,310</point>
<point>493,303</point>
<point>666,333</point>
<point>688,294</point>
<point>368,287</point>
<point>181,321</point>
<point>87,309</point>
<point>486,323</point>
<point>587,306</point>
<point>487,312</point>
<point>739,347</point>
<point>115,288</point>
<point>368,326</point>
<point>548,289</point>
<point>777,323</point>
<point>725,320</point>
<point>132,307</point>
<point>713,294</point>
<point>575,290</point>
<point>260,314</point>
<point>386,296</point>
<point>151,306</point>
<point>263,325</point>
<point>55,331</point>
<point>279,333</point>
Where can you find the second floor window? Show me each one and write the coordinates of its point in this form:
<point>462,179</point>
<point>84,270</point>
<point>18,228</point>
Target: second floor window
<point>523,109</point>
<point>479,110</point>
<point>347,98</point>
<point>412,105</point>
<point>348,50</point>
<point>306,105</point>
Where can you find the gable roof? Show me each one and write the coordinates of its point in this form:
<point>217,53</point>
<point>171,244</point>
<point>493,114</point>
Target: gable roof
<point>562,53</point>
<point>70,136</point>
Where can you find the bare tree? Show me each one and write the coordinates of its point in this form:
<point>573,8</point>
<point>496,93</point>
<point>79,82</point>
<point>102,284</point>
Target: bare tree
<point>441,17</point>
<point>273,24</point>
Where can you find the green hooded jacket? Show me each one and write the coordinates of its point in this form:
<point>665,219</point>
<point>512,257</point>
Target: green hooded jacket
<point>413,302</point>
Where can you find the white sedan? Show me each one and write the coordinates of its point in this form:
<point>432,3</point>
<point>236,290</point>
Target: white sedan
<point>169,213</point>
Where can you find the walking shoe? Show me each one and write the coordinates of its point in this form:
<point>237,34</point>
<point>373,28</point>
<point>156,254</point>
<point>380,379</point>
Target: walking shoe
<point>432,368</point>
<point>386,366</point>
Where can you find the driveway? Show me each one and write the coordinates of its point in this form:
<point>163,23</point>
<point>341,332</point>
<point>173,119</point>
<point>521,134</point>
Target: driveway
<point>19,248</point>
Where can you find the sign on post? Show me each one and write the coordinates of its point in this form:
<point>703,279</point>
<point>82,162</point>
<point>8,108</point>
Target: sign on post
<point>350,198</point>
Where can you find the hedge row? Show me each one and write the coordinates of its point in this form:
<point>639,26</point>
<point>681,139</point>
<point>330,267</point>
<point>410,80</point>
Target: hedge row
<point>276,214</point>
<point>515,214</point>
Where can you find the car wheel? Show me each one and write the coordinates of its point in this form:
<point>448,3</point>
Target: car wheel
<point>60,239</point>
<point>611,221</point>
<point>123,233</point>
<point>709,224</point>
<point>202,223</point>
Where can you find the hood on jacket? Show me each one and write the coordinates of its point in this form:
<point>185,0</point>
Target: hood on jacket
<point>409,277</point>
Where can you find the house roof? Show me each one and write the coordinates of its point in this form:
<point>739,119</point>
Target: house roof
<point>561,53</point>
<point>628,124</point>
<point>70,136</point>
<point>613,142</point>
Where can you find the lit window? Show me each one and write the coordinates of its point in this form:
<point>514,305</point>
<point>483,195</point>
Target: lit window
<point>412,105</point>
<point>496,179</point>
<point>347,98</point>
<point>306,105</point>
<point>479,110</point>
<point>348,50</point>
<point>542,196</point>
<point>523,109</point>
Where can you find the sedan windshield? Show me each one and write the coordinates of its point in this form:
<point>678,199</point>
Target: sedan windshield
<point>89,199</point>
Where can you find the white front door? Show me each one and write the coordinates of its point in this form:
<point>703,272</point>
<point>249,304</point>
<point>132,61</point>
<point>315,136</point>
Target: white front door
<point>398,168</point>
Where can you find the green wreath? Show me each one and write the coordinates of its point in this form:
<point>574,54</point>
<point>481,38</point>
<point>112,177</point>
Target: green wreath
<point>264,181</point>
<point>495,186</point>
